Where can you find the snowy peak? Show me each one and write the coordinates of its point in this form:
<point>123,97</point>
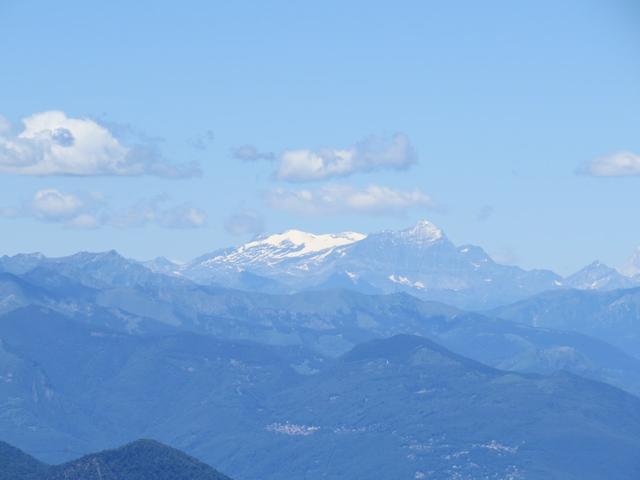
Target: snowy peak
<point>289,246</point>
<point>298,243</point>
<point>422,232</point>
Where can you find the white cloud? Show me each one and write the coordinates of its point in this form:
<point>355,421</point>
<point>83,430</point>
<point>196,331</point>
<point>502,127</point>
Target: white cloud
<point>620,164</point>
<point>51,143</point>
<point>52,204</point>
<point>371,153</point>
<point>344,199</point>
<point>92,211</point>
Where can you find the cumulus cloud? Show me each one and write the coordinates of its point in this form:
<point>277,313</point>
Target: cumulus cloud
<point>51,143</point>
<point>345,199</point>
<point>244,223</point>
<point>85,211</point>
<point>52,204</point>
<point>371,153</point>
<point>620,164</point>
<point>249,153</point>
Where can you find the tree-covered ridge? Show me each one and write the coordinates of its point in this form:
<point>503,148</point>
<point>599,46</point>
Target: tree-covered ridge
<point>140,460</point>
<point>17,465</point>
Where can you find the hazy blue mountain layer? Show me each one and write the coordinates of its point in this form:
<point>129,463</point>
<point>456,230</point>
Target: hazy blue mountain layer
<point>394,408</point>
<point>329,322</point>
<point>97,350</point>
<point>613,316</point>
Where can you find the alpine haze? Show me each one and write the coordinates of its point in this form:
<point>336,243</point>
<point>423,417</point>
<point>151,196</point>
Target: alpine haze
<point>319,240</point>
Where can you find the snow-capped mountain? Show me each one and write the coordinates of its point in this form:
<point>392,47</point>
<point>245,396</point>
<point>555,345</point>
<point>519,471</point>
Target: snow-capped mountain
<point>420,260</point>
<point>292,253</point>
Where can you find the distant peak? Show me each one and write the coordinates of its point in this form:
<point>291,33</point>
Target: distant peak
<point>87,257</point>
<point>402,348</point>
<point>596,264</point>
<point>165,261</point>
<point>27,256</point>
<point>632,267</point>
<point>424,231</point>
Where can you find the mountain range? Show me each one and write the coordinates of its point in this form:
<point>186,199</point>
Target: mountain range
<point>396,407</point>
<point>326,322</point>
<point>419,260</point>
<point>322,357</point>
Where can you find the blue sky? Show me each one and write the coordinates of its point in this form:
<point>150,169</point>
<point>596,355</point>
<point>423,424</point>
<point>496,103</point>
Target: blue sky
<point>182,127</point>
